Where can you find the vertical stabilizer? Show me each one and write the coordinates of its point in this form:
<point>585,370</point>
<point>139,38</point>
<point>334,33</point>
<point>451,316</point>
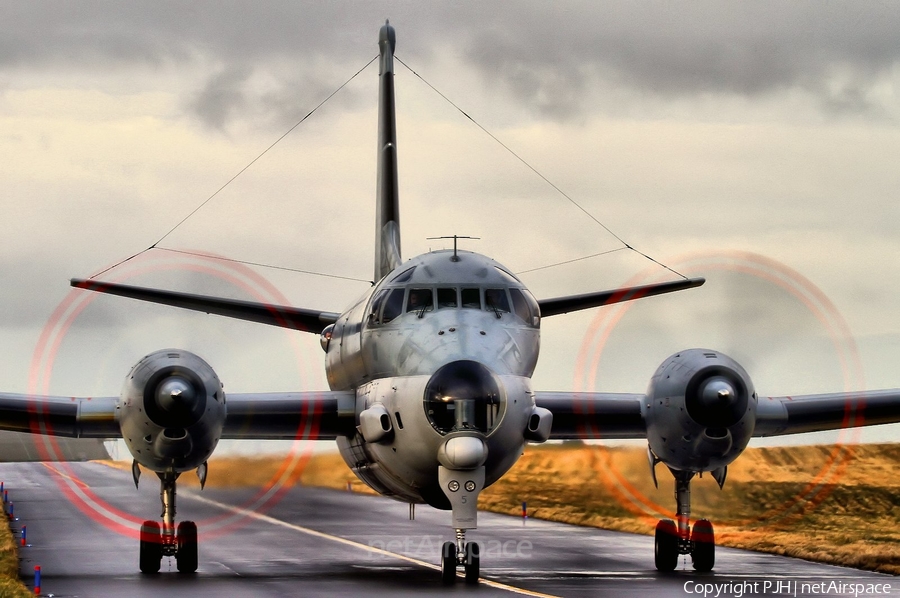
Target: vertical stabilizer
<point>387,210</point>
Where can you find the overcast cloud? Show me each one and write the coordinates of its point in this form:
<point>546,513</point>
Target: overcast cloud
<point>548,56</point>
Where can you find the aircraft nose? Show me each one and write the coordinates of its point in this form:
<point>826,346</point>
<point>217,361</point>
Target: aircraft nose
<point>463,395</point>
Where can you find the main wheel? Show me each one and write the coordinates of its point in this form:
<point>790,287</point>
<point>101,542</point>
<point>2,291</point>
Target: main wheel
<point>472,563</point>
<point>666,545</point>
<point>151,547</point>
<point>448,563</point>
<point>703,545</point>
<point>186,556</point>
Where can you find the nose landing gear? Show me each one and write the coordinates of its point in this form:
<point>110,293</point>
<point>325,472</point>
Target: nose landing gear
<point>462,488</point>
<point>460,554</point>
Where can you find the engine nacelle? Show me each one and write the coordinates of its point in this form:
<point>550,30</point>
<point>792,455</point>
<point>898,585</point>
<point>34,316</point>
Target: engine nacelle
<point>700,410</point>
<point>171,411</point>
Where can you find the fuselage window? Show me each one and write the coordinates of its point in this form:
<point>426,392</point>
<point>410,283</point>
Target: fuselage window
<point>471,298</point>
<point>495,300</point>
<point>393,305</point>
<point>446,298</point>
<point>420,300</point>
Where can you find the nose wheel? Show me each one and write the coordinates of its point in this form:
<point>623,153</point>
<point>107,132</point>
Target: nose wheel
<point>164,539</point>
<point>469,558</point>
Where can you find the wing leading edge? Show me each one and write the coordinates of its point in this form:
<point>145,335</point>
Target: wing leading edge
<point>562,305</point>
<point>73,417</point>
<point>777,416</point>
<point>315,415</point>
<point>593,415</point>
<point>598,416</point>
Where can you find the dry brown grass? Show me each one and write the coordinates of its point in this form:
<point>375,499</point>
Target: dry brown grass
<point>325,470</point>
<point>827,504</point>
<point>10,586</point>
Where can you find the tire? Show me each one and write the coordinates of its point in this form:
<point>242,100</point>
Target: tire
<point>703,546</point>
<point>186,555</point>
<point>448,563</point>
<point>472,563</point>
<point>151,547</point>
<point>666,545</point>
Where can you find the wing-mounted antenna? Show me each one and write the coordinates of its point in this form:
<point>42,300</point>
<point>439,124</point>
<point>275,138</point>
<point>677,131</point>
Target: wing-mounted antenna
<point>387,210</point>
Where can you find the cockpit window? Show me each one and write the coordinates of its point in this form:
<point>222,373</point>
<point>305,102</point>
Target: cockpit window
<point>510,277</point>
<point>393,305</point>
<point>420,300</point>
<point>471,298</point>
<point>520,306</point>
<point>446,298</point>
<point>405,275</point>
<point>535,308</point>
<point>495,300</point>
<point>376,305</point>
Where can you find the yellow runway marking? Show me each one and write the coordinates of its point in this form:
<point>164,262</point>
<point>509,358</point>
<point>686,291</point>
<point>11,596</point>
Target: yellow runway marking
<point>380,551</point>
<point>76,481</point>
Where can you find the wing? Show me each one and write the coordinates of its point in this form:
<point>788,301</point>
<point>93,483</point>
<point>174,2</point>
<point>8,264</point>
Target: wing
<point>589,415</point>
<point>776,416</point>
<point>593,415</point>
<point>314,415</point>
<point>90,417</point>
<point>562,305</point>
<point>305,320</point>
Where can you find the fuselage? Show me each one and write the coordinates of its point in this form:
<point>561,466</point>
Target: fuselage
<point>437,312</point>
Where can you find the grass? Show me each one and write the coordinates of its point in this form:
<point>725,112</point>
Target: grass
<point>10,586</point>
<point>838,505</point>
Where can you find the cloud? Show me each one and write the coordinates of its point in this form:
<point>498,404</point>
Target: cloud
<point>558,59</point>
<point>221,97</point>
<point>551,58</point>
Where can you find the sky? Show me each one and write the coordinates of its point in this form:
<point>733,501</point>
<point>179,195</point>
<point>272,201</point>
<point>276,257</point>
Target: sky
<point>754,144</point>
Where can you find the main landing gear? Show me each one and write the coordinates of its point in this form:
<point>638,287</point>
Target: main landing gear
<point>162,540</point>
<point>674,540</point>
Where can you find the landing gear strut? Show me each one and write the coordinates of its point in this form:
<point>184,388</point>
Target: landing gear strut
<point>673,540</point>
<point>462,487</point>
<point>159,540</point>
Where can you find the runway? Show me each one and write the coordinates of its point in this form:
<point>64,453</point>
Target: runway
<point>315,542</point>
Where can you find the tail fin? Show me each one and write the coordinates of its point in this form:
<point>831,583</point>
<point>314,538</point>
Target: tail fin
<point>387,210</point>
